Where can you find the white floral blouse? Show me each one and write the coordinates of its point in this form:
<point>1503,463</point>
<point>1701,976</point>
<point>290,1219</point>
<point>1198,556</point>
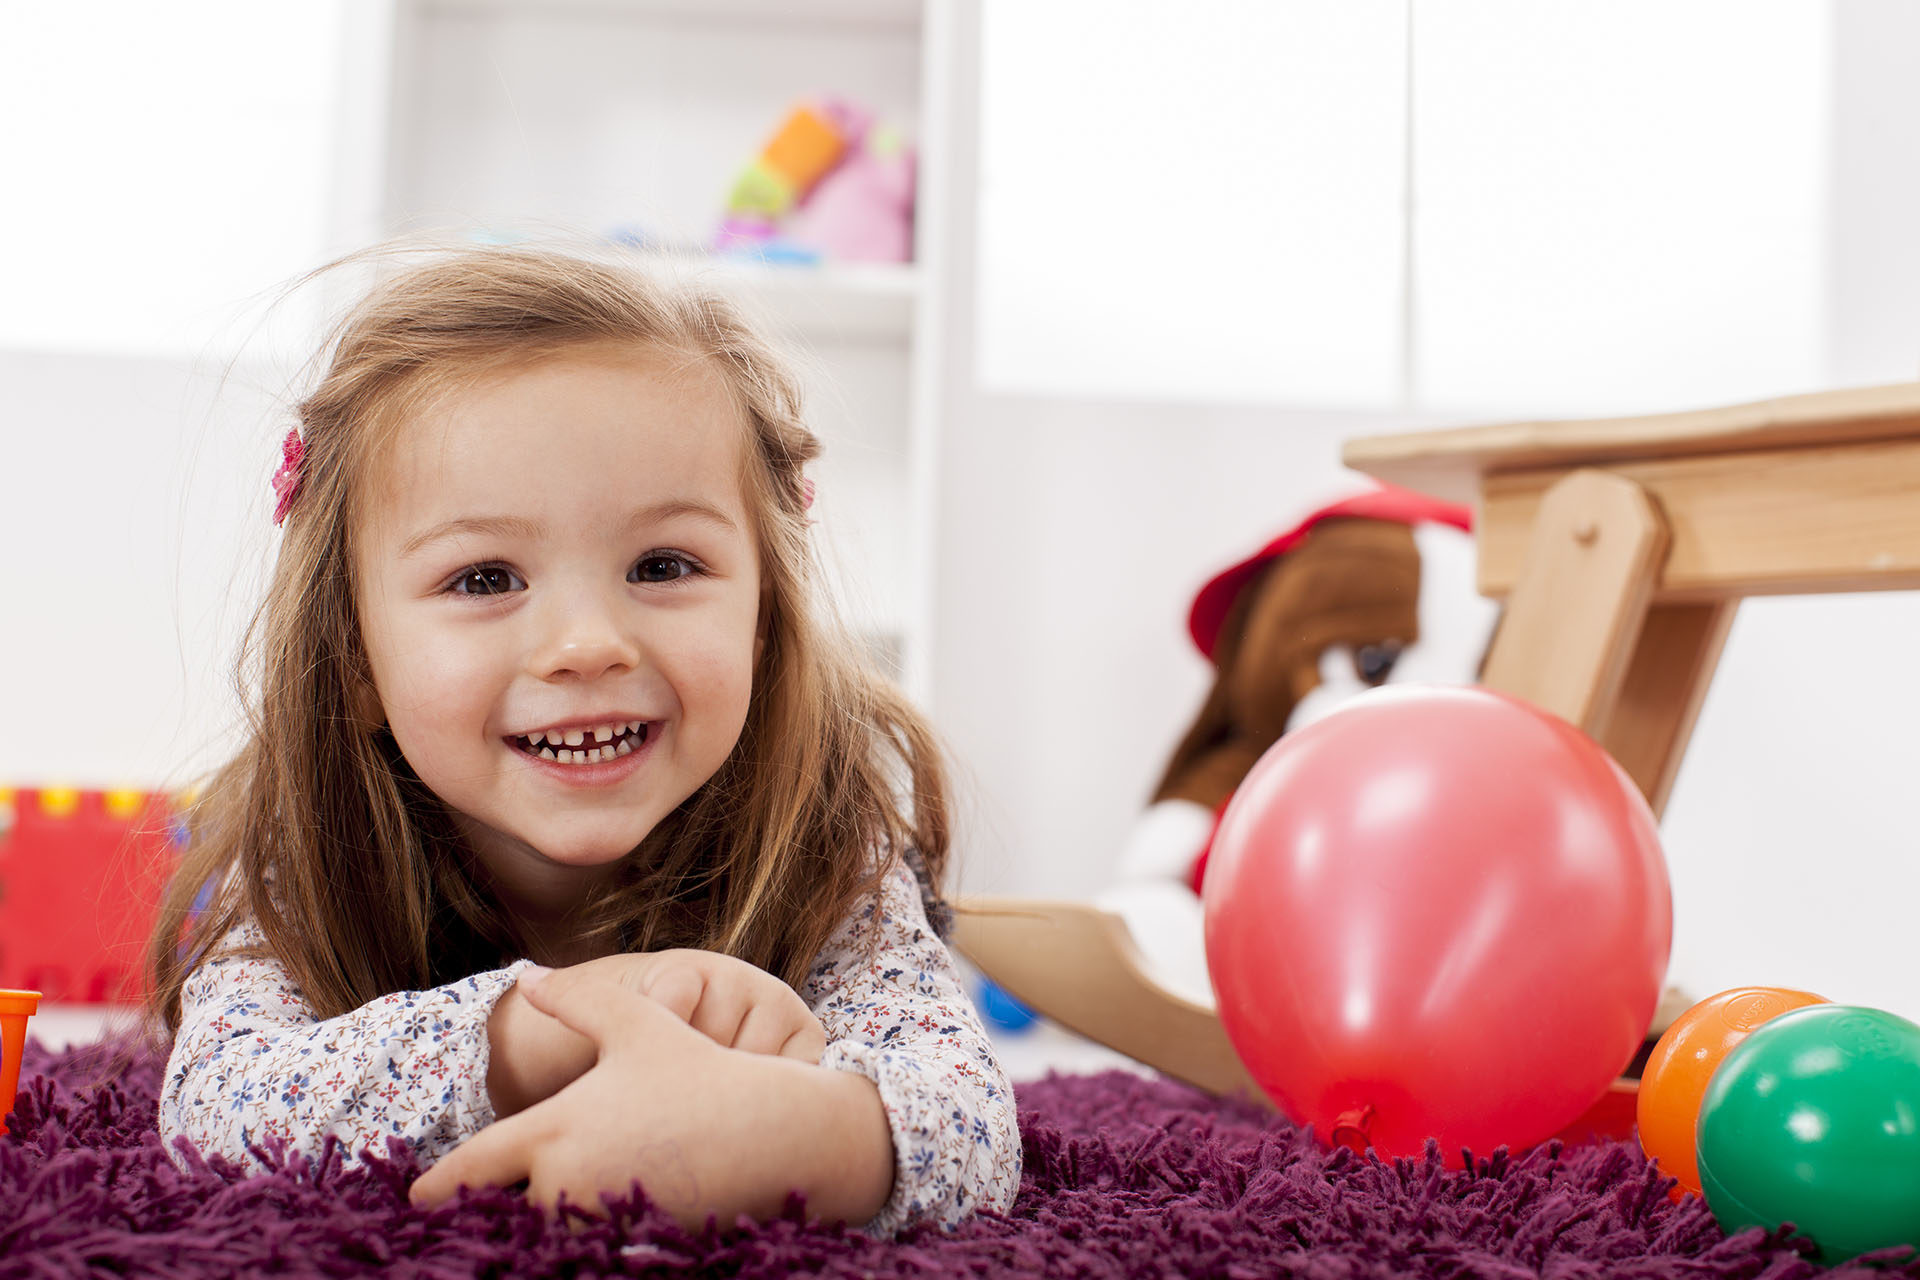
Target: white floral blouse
<point>251,1061</point>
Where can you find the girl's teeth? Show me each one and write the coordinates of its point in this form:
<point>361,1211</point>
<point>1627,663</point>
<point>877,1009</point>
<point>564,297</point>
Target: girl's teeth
<point>611,742</point>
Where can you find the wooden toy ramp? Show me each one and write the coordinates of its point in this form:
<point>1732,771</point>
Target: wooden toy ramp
<point>1621,548</point>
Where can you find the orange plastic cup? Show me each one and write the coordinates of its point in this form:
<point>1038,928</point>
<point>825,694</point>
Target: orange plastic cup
<point>15,1008</point>
<point>1674,1083</point>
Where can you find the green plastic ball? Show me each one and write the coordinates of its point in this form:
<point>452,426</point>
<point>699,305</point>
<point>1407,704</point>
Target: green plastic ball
<point>1814,1119</point>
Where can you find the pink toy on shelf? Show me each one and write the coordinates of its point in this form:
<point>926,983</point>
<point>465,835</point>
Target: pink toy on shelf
<point>863,210</point>
<point>830,184</point>
<point>15,1008</point>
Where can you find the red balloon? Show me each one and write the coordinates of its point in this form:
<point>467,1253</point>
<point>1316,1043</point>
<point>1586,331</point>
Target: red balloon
<point>1437,912</point>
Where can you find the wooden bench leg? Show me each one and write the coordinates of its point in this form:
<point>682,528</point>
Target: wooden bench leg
<point>1576,610</point>
<point>1665,684</point>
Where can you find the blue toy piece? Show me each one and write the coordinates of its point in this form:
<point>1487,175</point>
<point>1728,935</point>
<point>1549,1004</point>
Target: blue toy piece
<point>1002,1011</point>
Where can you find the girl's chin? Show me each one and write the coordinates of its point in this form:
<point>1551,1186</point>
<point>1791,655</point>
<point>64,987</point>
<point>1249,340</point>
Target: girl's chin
<point>587,856</point>
<point>515,851</point>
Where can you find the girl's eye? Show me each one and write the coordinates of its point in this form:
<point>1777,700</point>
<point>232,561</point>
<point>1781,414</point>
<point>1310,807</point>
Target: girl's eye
<point>487,580</point>
<point>661,567</point>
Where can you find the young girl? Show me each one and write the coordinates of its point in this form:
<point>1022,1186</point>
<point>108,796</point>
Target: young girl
<point>539,681</point>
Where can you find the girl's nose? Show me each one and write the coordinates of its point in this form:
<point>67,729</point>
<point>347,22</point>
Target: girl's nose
<point>584,641</point>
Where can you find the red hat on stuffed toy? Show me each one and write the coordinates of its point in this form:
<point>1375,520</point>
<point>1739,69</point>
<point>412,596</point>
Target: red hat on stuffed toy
<point>1386,502</point>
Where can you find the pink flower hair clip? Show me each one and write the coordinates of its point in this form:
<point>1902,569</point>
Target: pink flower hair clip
<point>286,481</point>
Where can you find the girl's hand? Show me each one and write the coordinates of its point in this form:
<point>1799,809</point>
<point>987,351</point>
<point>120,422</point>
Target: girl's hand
<point>732,1003</point>
<point>532,1055</point>
<point>729,1001</point>
<point>705,1130</point>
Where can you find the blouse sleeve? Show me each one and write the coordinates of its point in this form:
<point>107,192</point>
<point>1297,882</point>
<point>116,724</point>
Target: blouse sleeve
<point>251,1062</point>
<point>896,1013</point>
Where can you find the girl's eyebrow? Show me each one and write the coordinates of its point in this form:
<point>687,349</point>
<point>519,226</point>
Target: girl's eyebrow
<point>488,526</point>
<point>673,507</point>
<point>533,530</point>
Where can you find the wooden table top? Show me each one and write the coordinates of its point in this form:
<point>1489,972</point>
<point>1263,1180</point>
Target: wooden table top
<point>1450,463</point>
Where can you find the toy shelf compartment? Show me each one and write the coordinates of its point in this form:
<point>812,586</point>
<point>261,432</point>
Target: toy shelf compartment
<point>626,121</point>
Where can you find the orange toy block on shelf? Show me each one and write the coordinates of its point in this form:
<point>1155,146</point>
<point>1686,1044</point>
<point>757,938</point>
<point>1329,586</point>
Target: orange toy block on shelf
<point>807,146</point>
<point>15,1008</point>
<point>805,150</point>
<point>81,874</point>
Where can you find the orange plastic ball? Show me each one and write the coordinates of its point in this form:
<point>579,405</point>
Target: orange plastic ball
<point>1675,1079</point>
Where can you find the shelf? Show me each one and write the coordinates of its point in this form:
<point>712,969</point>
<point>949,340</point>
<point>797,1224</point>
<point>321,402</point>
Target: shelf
<point>866,13</point>
<point>834,301</point>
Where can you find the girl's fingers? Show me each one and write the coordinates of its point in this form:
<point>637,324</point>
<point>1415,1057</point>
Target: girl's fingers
<point>808,1043</point>
<point>765,1029</point>
<point>598,1006</point>
<point>547,1188</point>
<point>724,1007</point>
<point>499,1155</point>
<point>677,988</point>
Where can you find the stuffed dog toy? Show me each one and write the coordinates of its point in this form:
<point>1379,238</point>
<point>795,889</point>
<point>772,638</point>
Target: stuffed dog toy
<point>1373,589</point>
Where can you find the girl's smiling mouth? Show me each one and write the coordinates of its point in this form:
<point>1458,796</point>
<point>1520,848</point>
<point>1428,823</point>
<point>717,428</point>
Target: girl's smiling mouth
<point>584,744</point>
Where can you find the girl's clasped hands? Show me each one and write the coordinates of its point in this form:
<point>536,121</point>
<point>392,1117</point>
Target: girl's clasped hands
<point>672,1068</point>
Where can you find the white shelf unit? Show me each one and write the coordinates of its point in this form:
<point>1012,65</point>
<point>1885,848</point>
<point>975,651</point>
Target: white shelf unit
<point>599,119</point>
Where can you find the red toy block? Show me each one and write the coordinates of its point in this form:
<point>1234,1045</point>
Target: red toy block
<point>81,873</point>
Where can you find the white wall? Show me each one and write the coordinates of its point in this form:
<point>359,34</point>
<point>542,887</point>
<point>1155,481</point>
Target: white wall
<point>134,515</point>
<point>166,165</point>
<point>169,167</point>
<point>1216,183</point>
<point>1074,533</point>
<point>1794,830</point>
<point>1505,207</point>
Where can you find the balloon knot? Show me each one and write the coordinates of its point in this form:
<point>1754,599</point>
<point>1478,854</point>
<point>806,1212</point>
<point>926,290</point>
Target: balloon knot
<point>1350,1128</point>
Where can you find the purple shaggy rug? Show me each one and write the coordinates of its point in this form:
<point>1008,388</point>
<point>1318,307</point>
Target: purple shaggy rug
<point>1124,1177</point>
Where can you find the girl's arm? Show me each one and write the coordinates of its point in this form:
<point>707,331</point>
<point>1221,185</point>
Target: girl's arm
<point>908,1117</point>
<point>708,1131</point>
<point>251,1062</point>
<point>903,1020</point>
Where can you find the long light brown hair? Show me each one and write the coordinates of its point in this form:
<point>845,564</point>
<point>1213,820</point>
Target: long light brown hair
<point>320,831</point>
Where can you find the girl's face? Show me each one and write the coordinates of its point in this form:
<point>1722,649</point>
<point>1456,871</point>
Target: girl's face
<point>559,589</point>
